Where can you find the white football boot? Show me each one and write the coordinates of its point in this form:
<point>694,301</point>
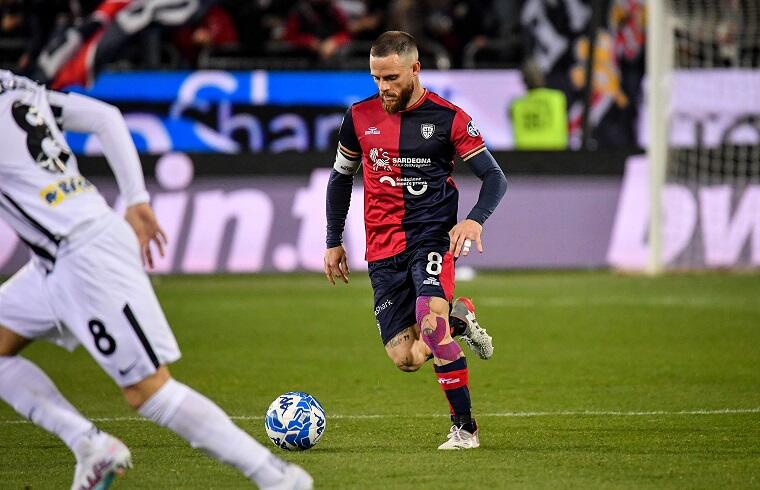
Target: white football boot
<point>458,438</point>
<point>103,457</point>
<point>295,478</point>
<point>475,336</point>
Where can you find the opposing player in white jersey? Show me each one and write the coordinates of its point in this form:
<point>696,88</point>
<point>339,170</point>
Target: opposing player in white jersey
<point>86,284</point>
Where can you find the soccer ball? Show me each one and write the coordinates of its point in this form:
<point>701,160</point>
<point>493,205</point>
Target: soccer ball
<point>295,421</point>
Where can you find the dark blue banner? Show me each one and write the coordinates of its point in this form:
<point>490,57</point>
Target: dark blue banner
<point>256,87</point>
<point>260,111</point>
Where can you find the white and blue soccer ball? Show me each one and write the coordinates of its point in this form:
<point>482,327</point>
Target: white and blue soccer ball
<point>295,421</point>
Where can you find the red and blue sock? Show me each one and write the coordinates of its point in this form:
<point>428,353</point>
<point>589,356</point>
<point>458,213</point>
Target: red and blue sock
<point>453,379</point>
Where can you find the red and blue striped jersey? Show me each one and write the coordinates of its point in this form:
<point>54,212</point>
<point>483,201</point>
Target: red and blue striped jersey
<point>407,159</point>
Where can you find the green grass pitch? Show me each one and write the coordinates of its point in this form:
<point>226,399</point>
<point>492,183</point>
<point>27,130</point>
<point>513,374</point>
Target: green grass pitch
<point>598,381</point>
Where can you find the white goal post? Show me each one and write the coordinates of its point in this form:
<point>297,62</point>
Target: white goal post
<point>659,65</point>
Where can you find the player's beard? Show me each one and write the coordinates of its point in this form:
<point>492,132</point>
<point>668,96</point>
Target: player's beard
<point>400,101</point>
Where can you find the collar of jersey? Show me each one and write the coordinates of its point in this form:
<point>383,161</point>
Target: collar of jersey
<point>418,103</point>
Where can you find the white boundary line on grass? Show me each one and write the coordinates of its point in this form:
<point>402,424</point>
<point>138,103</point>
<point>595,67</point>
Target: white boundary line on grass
<point>661,301</point>
<point>561,413</point>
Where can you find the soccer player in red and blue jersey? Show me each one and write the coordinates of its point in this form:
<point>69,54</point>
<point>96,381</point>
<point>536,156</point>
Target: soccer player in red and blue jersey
<point>405,139</point>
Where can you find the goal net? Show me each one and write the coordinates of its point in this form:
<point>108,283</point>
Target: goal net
<point>704,133</point>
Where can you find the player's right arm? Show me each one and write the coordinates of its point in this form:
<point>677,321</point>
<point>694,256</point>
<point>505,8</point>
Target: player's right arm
<point>87,115</point>
<point>347,162</point>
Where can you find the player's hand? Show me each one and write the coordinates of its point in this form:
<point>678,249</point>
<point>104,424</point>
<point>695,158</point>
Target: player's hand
<point>336,264</point>
<point>143,221</point>
<point>462,236</point>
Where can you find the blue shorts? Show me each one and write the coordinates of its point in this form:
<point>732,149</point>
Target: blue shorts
<point>426,269</point>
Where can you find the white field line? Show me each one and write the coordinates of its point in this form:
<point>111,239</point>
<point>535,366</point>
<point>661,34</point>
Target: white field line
<point>664,301</point>
<point>561,413</point>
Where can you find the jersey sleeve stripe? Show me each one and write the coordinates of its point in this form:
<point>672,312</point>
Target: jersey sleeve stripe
<point>473,152</point>
<point>350,154</point>
<point>347,151</point>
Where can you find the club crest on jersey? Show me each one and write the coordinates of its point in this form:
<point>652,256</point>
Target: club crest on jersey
<point>380,159</point>
<point>472,130</point>
<point>427,130</point>
<point>372,130</point>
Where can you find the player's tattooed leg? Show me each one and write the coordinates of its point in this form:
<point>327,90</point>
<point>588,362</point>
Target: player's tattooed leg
<point>402,338</point>
<point>406,350</point>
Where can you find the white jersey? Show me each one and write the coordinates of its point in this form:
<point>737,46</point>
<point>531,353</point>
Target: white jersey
<point>43,196</point>
<point>86,283</point>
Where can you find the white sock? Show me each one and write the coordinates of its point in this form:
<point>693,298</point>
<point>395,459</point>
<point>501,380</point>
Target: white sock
<point>33,395</point>
<point>204,425</point>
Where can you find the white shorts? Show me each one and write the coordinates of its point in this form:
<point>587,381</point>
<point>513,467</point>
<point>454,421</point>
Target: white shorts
<point>97,295</point>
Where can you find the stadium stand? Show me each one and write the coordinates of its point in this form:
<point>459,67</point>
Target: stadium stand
<point>274,34</point>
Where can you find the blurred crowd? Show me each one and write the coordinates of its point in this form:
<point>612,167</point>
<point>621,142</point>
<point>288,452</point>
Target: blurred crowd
<point>37,35</point>
<point>582,90</point>
<point>68,42</point>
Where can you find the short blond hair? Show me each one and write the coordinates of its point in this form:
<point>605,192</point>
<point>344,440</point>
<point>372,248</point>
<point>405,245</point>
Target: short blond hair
<point>394,42</point>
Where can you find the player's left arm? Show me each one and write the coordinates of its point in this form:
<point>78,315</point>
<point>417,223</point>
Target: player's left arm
<point>469,144</point>
<point>87,115</point>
